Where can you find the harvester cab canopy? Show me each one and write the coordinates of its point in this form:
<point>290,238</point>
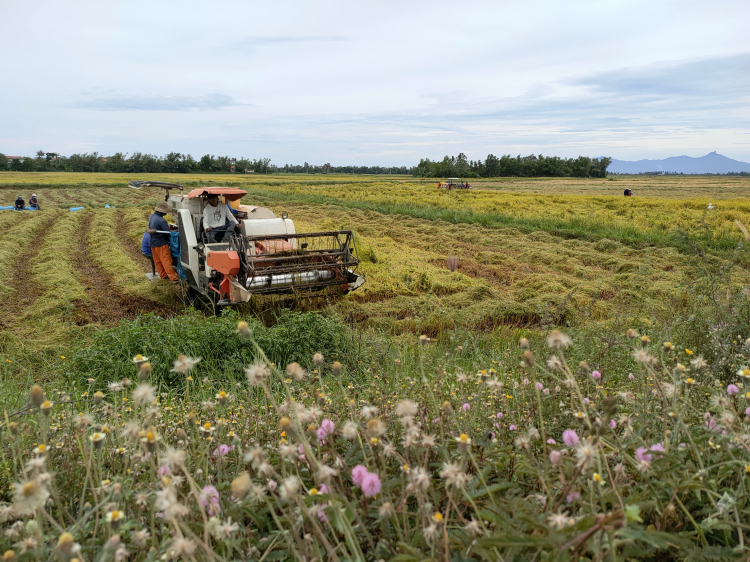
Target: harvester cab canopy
<point>229,193</point>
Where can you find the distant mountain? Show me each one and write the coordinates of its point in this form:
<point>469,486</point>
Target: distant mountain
<point>711,163</point>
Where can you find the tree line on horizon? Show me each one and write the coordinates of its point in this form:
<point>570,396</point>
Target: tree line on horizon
<point>450,166</point>
<point>507,166</point>
<point>175,162</point>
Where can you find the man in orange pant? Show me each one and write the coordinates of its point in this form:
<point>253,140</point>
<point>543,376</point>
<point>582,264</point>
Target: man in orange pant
<point>160,242</point>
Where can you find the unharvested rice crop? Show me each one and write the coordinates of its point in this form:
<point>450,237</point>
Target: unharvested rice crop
<point>717,187</point>
<point>609,257</point>
<point>634,221</point>
<point>503,276</point>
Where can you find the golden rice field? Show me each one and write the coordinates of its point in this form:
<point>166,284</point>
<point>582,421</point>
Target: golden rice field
<point>671,187</point>
<point>63,271</point>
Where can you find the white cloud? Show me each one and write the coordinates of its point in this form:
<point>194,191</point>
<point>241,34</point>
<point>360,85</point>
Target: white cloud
<point>151,102</point>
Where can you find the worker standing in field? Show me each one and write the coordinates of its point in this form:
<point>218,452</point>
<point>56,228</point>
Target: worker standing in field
<point>217,219</point>
<point>159,242</point>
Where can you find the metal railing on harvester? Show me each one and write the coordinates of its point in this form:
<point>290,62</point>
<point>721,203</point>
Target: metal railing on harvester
<point>308,261</point>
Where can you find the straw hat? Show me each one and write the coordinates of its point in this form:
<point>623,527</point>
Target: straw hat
<point>162,207</point>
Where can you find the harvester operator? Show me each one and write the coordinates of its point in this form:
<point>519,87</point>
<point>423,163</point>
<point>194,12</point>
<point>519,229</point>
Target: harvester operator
<point>217,219</point>
<point>162,256</point>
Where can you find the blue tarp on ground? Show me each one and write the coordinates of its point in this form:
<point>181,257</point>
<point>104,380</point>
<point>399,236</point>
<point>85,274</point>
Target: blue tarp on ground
<point>6,208</point>
<point>76,208</point>
<point>174,249</point>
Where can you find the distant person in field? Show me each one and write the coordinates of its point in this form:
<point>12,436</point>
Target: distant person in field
<point>628,193</point>
<point>217,219</point>
<point>19,205</point>
<point>159,242</point>
<point>34,202</point>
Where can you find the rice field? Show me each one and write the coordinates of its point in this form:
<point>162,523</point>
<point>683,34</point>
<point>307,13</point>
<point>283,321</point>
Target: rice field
<point>672,187</point>
<point>63,272</point>
<point>575,388</point>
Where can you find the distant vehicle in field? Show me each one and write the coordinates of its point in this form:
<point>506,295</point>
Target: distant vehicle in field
<point>453,183</point>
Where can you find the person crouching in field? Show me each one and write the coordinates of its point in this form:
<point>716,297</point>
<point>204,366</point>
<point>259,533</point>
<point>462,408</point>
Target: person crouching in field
<point>159,229</point>
<point>34,202</point>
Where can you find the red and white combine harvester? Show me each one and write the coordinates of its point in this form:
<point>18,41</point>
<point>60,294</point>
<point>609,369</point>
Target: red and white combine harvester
<point>453,183</point>
<point>264,256</point>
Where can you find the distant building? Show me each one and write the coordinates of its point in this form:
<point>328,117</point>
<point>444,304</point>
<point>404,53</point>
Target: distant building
<point>12,158</point>
<point>232,168</point>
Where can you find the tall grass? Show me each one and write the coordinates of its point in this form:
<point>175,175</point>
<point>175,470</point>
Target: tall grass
<point>416,459</point>
<point>293,337</point>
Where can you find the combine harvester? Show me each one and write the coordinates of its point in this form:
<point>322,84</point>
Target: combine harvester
<point>266,257</point>
<point>453,183</point>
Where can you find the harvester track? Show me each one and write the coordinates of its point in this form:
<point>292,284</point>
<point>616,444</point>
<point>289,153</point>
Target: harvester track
<point>130,246</point>
<point>105,304</point>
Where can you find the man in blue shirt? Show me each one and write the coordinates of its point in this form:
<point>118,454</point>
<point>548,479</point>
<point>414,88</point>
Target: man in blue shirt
<point>159,242</point>
<point>146,244</point>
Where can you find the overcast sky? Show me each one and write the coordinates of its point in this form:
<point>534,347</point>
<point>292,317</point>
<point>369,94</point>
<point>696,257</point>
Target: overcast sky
<point>376,82</point>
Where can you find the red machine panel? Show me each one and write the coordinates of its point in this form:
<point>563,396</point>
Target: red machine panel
<point>227,263</point>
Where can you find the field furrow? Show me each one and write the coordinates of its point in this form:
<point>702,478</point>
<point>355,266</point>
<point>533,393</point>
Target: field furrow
<point>130,225</point>
<point>116,285</point>
<point>105,249</point>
